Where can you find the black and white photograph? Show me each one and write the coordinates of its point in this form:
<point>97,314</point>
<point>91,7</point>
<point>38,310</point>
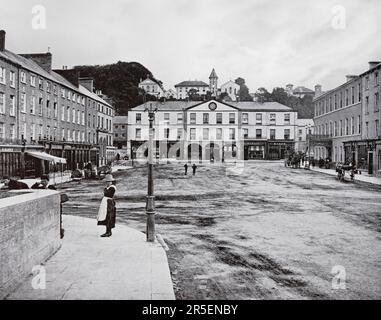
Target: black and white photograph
<point>166,151</point>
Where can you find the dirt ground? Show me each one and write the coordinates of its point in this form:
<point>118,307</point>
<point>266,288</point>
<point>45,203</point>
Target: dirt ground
<point>268,232</point>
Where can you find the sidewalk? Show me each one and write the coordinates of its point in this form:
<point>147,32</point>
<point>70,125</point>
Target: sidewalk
<point>88,267</point>
<point>365,178</point>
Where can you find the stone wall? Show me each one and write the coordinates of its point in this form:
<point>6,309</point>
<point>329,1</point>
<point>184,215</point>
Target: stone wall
<point>29,235</point>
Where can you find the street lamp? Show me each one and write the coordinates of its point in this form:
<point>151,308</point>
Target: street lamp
<point>150,204</point>
<point>308,136</point>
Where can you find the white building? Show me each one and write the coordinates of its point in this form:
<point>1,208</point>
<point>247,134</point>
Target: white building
<point>151,87</point>
<point>183,88</point>
<point>213,131</point>
<point>230,88</point>
<point>303,128</point>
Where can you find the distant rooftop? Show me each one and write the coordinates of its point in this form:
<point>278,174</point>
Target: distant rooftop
<point>191,83</point>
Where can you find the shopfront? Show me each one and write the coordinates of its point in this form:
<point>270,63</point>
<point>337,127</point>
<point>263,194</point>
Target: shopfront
<point>254,150</point>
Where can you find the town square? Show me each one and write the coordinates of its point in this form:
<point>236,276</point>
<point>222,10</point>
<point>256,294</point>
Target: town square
<point>215,162</point>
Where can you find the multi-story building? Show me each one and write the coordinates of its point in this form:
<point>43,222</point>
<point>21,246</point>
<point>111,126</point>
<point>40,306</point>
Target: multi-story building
<point>300,91</point>
<point>338,118</point>
<point>213,130</point>
<point>183,88</point>
<point>120,135</point>
<point>303,128</point>
<point>349,117</point>
<point>40,110</point>
<point>367,148</point>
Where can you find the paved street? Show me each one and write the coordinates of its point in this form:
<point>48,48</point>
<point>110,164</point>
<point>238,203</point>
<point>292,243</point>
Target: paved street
<point>268,233</point>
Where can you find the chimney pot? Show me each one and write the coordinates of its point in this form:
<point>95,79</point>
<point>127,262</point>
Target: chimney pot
<point>318,90</point>
<point>2,40</point>
<point>372,64</point>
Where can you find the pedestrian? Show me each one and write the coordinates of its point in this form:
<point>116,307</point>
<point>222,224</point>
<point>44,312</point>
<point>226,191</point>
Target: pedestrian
<point>43,184</point>
<point>194,167</point>
<point>107,209</point>
<point>186,169</point>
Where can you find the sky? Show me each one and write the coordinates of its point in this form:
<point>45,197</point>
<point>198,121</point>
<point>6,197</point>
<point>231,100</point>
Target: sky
<point>269,43</point>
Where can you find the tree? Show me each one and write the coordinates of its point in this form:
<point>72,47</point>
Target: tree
<point>194,95</point>
<point>243,92</point>
<point>262,95</point>
<point>280,95</point>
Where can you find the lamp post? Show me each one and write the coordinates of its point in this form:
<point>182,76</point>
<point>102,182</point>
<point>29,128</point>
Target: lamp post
<point>308,135</point>
<point>150,200</point>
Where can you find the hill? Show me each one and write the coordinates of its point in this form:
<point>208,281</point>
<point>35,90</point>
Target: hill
<point>119,81</point>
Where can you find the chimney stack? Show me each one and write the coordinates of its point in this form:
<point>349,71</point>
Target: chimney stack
<point>2,40</point>
<point>88,83</point>
<point>372,64</point>
<point>44,60</point>
<point>318,90</point>
<point>350,77</point>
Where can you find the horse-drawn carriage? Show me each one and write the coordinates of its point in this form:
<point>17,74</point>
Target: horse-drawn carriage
<point>342,168</point>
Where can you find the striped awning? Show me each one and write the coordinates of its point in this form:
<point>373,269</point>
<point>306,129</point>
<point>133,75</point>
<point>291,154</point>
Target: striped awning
<point>45,156</point>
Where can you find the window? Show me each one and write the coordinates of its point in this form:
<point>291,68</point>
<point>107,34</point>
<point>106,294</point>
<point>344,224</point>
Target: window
<point>55,89</point>
<point>193,118</point>
<point>179,133</point>
<point>231,118</point>
<point>2,103</point>
<point>245,118</point>
<point>23,77</point>
<point>12,79</point>
<point>353,95</point>
<point>335,101</point>
<point>377,127</point>
<point>83,118</point>
<point>166,133</point>
<point>359,92</point>
<point>272,118</point>
<point>48,87</point>
<point>40,84</point>
<point>205,118</point>
<point>219,133</point>
<point>23,103</point>
<point>138,118</point>
<point>346,97</point>
<point>359,124</point>
<point>12,131</point>
<point>12,106</point>
<point>166,118</point>
<point>353,125</point>
<point>205,134</point>
<point>286,134</point>
<point>272,134</point>
<point>138,133</point>
<point>1,130</point>
<point>376,80</point>
<point>341,127</point>
<point>367,82</point>
<point>330,104</point>
<point>219,118</point>
<point>73,116</point>
<point>346,126</point>
<point>258,118</point>
<point>245,133</point>
<point>48,111</point>
<point>376,102</point>
<point>62,92</point>
<point>287,117</point>
<point>2,75</point>
<point>192,134</point>
<point>232,134</point>
<point>79,117</point>
<point>367,129</point>
<point>258,133</point>
<point>33,132</point>
<point>335,128</point>
<point>366,105</point>
<point>23,130</point>
<point>179,118</point>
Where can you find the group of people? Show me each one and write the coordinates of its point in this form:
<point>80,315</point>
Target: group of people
<point>14,184</point>
<point>194,167</point>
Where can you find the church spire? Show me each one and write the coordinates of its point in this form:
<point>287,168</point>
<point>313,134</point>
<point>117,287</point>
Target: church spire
<point>213,74</point>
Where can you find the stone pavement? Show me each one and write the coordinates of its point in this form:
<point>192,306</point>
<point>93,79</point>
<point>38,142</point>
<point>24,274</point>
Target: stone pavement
<point>364,177</point>
<point>122,267</point>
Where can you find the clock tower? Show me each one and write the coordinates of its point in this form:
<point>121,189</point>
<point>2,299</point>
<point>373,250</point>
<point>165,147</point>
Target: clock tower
<point>213,83</point>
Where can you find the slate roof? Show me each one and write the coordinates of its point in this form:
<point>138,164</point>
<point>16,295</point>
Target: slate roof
<point>167,106</point>
<point>33,67</point>
<point>190,83</point>
<point>243,105</point>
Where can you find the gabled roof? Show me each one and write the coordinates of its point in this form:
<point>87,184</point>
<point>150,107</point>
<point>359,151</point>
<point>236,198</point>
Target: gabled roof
<point>213,74</point>
<point>258,106</point>
<point>167,106</point>
<point>190,83</point>
<point>230,81</point>
<point>33,67</point>
<point>92,95</point>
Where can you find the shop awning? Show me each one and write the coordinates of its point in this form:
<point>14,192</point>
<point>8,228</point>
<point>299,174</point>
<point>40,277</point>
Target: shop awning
<point>45,156</point>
